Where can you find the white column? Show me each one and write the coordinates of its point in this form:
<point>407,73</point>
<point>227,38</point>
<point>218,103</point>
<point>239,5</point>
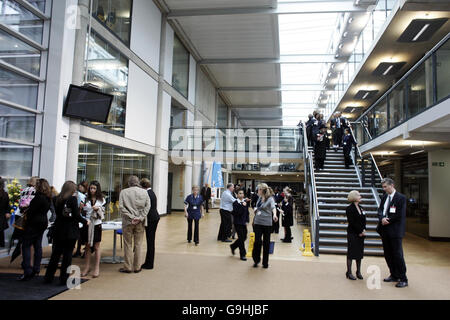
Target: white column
<point>55,133</point>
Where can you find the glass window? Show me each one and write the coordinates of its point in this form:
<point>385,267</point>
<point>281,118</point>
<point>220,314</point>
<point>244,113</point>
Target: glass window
<point>222,117</point>
<point>18,89</point>
<point>15,161</point>
<point>108,70</point>
<point>21,20</point>
<point>420,92</point>
<point>442,71</point>
<point>397,105</point>
<point>16,124</point>
<point>381,124</point>
<point>116,16</point>
<point>19,54</point>
<point>180,76</point>
<point>39,4</point>
<point>112,166</point>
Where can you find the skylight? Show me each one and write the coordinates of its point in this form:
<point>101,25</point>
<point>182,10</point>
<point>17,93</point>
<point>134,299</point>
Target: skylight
<point>303,34</point>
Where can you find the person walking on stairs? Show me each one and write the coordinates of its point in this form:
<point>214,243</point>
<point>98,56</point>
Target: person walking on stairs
<point>241,218</point>
<point>391,227</point>
<point>356,233</point>
<point>320,148</point>
<point>348,143</point>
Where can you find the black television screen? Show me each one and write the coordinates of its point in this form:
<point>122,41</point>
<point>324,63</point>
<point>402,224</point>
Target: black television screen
<point>87,104</point>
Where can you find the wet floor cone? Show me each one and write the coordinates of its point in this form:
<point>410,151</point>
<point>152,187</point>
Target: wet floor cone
<point>251,245</point>
<point>305,232</point>
<point>307,252</point>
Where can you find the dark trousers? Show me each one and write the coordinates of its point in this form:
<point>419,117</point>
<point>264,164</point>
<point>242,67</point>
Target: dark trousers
<point>320,163</point>
<point>241,231</point>
<point>276,225</point>
<point>348,159</point>
<point>207,205</point>
<point>393,253</point>
<point>64,248</point>
<point>196,232</point>
<point>262,238</point>
<point>337,136</point>
<point>36,242</point>
<point>287,234</point>
<point>150,233</point>
<point>225,225</point>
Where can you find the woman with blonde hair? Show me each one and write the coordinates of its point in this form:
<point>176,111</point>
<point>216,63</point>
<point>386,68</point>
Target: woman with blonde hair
<point>265,213</point>
<point>356,232</point>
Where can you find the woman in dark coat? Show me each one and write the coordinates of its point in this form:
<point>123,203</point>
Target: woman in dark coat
<point>356,232</point>
<point>66,231</point>
<point>35,224</point>
<point>320,147</point>
<point>288,217</point>
<point>5,213</point>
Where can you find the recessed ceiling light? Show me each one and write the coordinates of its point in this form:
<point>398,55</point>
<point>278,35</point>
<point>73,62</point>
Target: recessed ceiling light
<point>388,68</point>
<point>421,29</point>
<point>350,20</point>
<point>365,94</point>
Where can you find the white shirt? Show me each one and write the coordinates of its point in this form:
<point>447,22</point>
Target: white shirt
<point>386,203</point>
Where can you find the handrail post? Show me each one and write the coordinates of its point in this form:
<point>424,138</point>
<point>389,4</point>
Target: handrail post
<point>363,172</point>
<point>373,172</point>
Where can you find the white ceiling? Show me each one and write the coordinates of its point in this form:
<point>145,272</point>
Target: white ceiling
<point>216,4</point>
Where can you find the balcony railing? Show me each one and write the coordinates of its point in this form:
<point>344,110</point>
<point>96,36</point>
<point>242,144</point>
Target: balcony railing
<point>424,86</point>
<point>282,140</point>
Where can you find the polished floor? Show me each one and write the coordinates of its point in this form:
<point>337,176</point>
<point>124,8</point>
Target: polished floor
<point>209,271</point>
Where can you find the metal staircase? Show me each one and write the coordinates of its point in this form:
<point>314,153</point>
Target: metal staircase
<point>332,186</point>
<point>328,198</point>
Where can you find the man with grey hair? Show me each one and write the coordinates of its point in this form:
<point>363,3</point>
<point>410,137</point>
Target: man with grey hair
<point>391,227</point>
<point>134,205</point>
<point>226,207</point>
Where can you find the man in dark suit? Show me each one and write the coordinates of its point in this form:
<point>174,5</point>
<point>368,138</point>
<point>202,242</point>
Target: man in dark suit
<point>338,124</point>
<point>206,194</point>
<point>391,227</point>
<point>152,225</point>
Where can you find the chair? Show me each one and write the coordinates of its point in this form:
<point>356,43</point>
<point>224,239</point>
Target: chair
<point>120,232</point>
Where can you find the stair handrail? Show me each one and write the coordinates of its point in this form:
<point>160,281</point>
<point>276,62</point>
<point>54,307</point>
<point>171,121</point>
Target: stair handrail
<point>312,192</point>
<point>372,159</point>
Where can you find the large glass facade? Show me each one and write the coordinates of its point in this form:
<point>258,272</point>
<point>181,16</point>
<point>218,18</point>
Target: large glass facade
<point>180,74</point>
<point>19,54</point>
<point>19,90</point>
<point>111,166</point>
<point>222,115</point>
<point>107,69</point>
<point>15,161</point>
<point>116,16</point>
<point>21,20</point>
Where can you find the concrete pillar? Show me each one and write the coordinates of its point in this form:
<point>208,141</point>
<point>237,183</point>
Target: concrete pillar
<point>55,133</point>
<point>161,161</point>
<point>78,77</point>
<point>439,201</point>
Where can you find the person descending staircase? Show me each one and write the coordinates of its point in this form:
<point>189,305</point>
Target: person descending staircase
<point>332,187</point>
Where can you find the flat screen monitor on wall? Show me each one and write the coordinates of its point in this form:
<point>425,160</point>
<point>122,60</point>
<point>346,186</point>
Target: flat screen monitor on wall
<point>87,104</point>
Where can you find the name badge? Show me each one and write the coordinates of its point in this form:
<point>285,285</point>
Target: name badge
<point>194,207</point>
<point>345,143</point>
<point>392,210</point>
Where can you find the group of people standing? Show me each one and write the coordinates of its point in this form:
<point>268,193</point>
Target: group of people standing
<point>391,227</point>
<point>77,214</point>
<point>316,130</point>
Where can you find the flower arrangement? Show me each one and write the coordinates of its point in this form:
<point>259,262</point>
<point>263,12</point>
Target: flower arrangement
<point>14,190</point>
